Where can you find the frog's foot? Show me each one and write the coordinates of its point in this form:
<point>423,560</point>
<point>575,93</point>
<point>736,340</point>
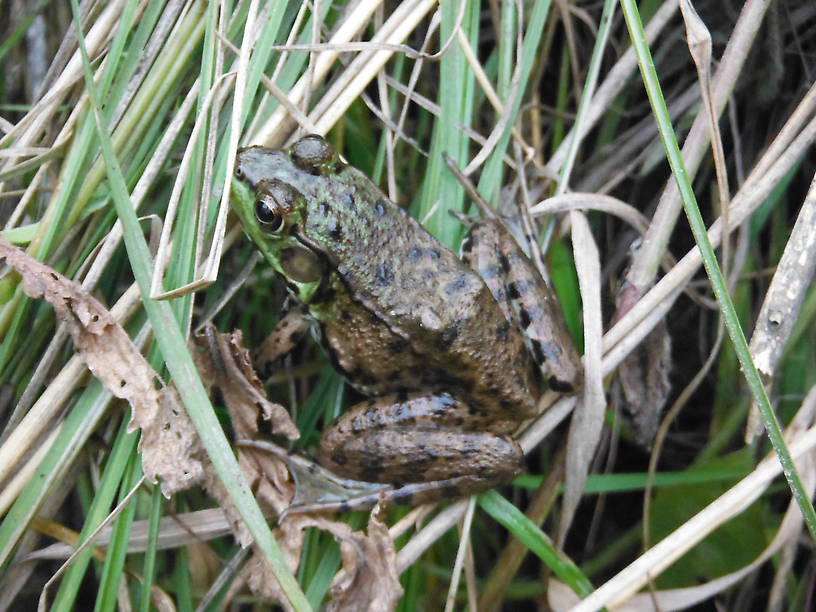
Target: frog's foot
<point>280,342</point>
<point>316,488</point>
<point>412,494</point>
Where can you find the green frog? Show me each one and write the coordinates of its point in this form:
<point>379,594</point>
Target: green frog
<point>450,351</point>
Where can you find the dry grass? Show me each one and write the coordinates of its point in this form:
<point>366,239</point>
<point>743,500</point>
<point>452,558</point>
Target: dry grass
<point>519,103</point>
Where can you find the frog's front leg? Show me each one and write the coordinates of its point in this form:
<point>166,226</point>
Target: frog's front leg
<point>405,440</point>
<point>281,340</point>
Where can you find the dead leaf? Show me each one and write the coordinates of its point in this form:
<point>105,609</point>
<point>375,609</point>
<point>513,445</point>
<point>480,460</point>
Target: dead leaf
<point>225,366</point>
<point>169,444</point>
<point>368,579</point>
<point>259,576</point>
<point>644,380</point>
<point>224,363</point>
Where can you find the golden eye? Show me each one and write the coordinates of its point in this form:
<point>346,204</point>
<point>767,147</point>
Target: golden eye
<point>268,214</point>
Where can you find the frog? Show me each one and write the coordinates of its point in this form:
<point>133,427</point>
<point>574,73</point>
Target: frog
<point>450,351</point>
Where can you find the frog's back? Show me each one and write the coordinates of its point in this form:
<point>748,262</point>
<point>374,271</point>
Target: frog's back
<point>426,297</point>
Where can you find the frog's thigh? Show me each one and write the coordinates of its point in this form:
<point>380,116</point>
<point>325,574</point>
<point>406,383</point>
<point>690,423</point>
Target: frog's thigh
<point>386,446</point>
<point>404,455</point>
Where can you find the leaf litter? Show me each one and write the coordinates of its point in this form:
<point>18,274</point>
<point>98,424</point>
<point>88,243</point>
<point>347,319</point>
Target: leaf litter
<point>172,452</point>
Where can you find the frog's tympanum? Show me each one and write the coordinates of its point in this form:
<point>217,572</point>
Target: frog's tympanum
<point>450,352</point>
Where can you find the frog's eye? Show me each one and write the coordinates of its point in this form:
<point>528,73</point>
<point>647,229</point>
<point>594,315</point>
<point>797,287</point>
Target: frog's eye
<point>274,204</point>
<point>268,214</point>
<point>312,154</point>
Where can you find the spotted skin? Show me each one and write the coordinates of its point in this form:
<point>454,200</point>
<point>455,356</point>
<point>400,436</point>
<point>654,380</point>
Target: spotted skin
<point>407,323</point>
<point>526,299</point>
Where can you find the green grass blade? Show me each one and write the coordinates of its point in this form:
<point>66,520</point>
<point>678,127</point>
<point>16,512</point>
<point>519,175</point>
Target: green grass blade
<point>149,567</point>
<point>113,571</point>
<point>174,350</point>
<point>536,540</point>
<point>115,468</point>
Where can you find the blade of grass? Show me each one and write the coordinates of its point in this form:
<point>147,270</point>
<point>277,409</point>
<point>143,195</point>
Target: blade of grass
<point>113,571</point>
<point>124,445</point>
<point>536,540</point>
<point>441,191</point>
<point>490,180</point>
<point>698,228</point>
<point>149,567</point>
<point>173,347</point>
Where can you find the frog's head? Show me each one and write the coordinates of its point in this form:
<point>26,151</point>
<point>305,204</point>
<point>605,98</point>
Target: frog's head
<point>271,194</point>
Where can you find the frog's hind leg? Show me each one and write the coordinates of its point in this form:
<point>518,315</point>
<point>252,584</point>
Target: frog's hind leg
<point>419,440</point>
<point>527,301</point>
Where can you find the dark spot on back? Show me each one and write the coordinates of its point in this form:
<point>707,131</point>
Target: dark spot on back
<point>513,291</point>
<point>379,208</point>
<point>335,230</point>
<point>559,385</point>
<point>504,263</point>
<point>447,337</point>
<point>415,254</point>
<point>385,274</point>
<point>345,315</point>
<point>348,200</point>
<point>538,353</point>
<point>524,317</point>
<point>503,332</point>
<point>457,284</point>
<point>397,346</point>
<point>323,208</point>
<point>371,472</point>
<point>339,458</point>
<point>434,253</point>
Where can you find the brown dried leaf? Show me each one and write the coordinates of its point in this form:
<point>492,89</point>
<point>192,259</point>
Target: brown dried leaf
<point>644,380</point>
<point>368,580</point>
<point>223,362</point>
<point>169,445</point>
<point>257,573</point>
